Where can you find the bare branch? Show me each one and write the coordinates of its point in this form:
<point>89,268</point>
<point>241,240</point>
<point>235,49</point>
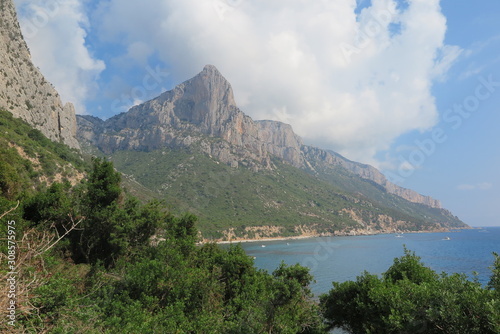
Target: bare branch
<point>73,226</point>
<point>7,212</point>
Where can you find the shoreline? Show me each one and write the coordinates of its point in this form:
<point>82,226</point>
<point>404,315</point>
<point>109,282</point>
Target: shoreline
<point>299,237</point>
<point>225,242</point>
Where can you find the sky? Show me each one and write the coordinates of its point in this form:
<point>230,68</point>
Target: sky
<point>411,87</point>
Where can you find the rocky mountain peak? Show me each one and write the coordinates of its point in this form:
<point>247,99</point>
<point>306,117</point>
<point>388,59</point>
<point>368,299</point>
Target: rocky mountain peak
<point>205,99</point>
<point>23,89</point>
<point>211,76</point>
<point>202,109</point>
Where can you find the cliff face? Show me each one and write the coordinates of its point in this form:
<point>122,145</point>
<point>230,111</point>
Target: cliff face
<point>202,112</point>
<point>196,109</point>
<point>23,89</point>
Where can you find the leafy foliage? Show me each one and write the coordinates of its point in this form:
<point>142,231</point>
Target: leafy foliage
<point>136,268</point>
<point>495,277</point>
<point>50,205</point>
<point>12,180</point>
<point>411,298</point>
<point>27,158</point>
<point>103,186</point>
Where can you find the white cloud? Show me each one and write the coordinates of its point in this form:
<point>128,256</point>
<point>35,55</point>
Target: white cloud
<point>287,61</point>
<point>477,186</point>
<point>352,83</point>
<point>55,32</point>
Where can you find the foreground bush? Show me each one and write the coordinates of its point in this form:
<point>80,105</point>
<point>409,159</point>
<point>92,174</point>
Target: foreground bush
<point>411,298</point>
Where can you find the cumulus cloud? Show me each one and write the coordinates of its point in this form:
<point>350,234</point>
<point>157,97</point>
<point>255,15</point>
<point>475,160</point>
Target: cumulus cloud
<point>347,79</point>
<point>56,32</point>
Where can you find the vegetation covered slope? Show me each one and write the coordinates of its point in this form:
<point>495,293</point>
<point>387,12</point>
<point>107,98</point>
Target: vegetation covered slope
<point>28,160</point>
<point>284,201</point>
<point>90,259</point>
<point>193,146</point>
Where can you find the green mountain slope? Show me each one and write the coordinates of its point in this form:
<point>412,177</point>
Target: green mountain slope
<point>285,201</point>
<point>369,190</point>
<point>29,160</point>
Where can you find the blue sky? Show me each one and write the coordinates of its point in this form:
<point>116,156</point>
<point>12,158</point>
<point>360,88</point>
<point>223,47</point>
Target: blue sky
<point>411,87</point>
<point>463,170</point>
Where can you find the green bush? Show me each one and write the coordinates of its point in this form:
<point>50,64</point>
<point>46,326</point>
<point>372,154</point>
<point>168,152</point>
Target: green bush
<point>411,298</point>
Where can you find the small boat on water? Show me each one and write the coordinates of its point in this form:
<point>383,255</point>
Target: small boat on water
<point>447,238</point>
<point>263,245</point>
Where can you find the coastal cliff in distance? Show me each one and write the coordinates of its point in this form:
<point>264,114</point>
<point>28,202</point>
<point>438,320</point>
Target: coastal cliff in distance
<point>24,92</point>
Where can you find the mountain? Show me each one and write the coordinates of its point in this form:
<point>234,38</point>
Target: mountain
<point>24,92</point>
<point>204,106</point>
<point>195,148</point>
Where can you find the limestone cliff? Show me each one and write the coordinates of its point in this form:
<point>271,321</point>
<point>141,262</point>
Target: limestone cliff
<point>23,89</point>
<point>196,109</point>
<point>202,112</point>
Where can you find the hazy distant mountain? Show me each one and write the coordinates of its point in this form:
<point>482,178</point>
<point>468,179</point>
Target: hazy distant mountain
<point>199,120</point>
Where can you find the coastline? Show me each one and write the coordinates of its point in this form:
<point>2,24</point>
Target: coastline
<point>314,235</point>
<point>238,240</point>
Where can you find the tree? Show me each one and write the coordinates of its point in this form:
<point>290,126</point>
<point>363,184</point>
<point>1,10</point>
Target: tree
<point>411,298</point>
<point>494,282</point>
<point>103,186</point>
<point>290,309</point>
<point>52,205</point>
<point>409,267</point>
<point>100,207</point>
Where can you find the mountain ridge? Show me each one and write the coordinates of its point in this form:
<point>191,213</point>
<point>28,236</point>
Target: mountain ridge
<point>204,105</point>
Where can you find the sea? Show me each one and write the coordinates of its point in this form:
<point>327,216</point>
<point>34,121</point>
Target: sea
<point>339,259</point>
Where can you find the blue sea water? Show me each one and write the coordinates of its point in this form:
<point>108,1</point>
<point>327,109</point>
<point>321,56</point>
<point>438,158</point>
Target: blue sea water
<point>343,258</point>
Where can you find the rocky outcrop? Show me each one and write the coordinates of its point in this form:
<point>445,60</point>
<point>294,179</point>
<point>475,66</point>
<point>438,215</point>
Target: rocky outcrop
<point>23,89</point>
<point>202,112</point>
<point>89,128</point>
